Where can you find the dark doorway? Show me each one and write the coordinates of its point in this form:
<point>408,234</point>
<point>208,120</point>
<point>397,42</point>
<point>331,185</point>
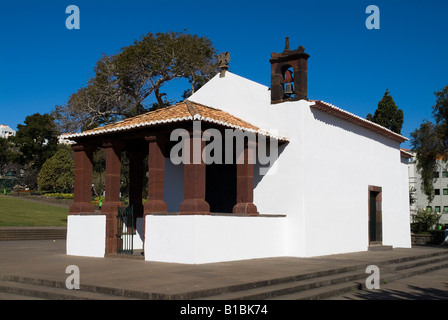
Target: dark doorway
<point>221,180</point>
<point>375,216</point>
<point>220,192</point>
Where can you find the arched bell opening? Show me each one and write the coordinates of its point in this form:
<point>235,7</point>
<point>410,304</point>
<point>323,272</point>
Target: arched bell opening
<point>288,81</point>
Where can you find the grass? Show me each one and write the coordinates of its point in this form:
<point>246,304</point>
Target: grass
<point>19,212</point>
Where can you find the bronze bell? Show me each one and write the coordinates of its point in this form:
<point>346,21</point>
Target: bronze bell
<point>288,89</point>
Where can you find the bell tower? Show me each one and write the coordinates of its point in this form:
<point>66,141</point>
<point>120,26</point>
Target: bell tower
<point>289,74</point>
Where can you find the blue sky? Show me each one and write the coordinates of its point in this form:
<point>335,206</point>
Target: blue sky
<point>42,62</point>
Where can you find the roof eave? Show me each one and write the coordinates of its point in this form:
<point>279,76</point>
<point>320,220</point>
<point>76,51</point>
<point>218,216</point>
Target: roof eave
<point>342,114</point>
<point>194,116</point>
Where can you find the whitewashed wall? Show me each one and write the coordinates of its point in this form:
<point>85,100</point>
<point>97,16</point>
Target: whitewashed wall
<point>322,175</point>
<point>199,239</point>
<point>86,235</point>
<point>342,160</point>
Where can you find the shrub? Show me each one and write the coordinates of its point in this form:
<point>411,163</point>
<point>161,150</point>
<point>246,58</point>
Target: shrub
<point>424,221</point>
<point>60,195</point>
<point>57,173</point>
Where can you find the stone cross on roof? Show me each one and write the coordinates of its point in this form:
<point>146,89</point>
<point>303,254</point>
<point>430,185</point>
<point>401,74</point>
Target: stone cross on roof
<point>223,62</point>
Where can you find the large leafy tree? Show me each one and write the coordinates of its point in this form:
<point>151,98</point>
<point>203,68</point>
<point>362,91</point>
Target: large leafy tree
<point>36,140</point>
<point>123,82</point>
<point>57,173</point>
<point>388,114</point>
<point>7,154</point>
<point>430,142</point>
<point>427,143</point>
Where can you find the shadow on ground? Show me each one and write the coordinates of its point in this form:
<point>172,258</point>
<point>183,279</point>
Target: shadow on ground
<point>413,293</point>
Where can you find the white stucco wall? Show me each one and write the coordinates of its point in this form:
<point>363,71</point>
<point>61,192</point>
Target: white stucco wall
<point>205,239</point>
<point>342,160</point>
<point>322,175</point>
<point>86,235</point>
<point>403,238</point>
<point>236,95</point>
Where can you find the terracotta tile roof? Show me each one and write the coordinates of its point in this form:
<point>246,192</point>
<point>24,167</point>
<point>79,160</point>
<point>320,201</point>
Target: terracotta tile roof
<point>183,111</point>
<point>340,113</point>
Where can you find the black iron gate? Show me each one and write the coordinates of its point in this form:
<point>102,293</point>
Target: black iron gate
<point>125,230</point>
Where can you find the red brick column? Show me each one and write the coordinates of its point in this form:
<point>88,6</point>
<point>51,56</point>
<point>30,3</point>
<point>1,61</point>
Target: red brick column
<point>156,177</point>
<point>83,180</point>
<point>112,198</point>
<point>245,182</point>
<point>195,180</point>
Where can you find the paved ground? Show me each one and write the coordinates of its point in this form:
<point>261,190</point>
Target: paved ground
<point>47,260</point>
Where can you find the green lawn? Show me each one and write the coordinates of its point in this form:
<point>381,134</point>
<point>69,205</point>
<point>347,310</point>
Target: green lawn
<point>19,212</point>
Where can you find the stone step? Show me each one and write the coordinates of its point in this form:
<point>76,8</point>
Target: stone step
<point>284,289</point>
<point>387,274</point>
<point>54,289</point>
<point>380,248</point>
<point>11,296</point>
<point>51,293</point>
<point>138,254</point>
<point>15,234</point>
<point>442,252</point>
<point>412,264</point>
<point>341,288</point>
<point>322,292</point>
<point>333,282</point>
<point>216,293</point>
<point>22,234</point>
<point>315,285</point>
<point>416,270</point>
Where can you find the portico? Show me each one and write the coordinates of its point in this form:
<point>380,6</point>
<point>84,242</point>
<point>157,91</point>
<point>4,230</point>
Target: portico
<point>148,136</point>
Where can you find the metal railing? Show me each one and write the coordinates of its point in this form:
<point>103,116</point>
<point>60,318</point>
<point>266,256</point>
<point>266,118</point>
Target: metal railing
<point>125,230</point>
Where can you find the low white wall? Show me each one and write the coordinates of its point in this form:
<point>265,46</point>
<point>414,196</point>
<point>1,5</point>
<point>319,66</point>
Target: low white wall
<point>205,239</point>
<point>86,235</point>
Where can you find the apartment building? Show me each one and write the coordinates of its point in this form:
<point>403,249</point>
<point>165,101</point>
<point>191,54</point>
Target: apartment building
<point>440,202</point>
<point>6,131</point>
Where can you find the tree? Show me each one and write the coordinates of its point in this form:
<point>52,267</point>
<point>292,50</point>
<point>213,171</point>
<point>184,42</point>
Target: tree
<point>427,143</point>
<point>36,140</point>
<point>7,154</point>
<point>387,114</point>
<point>123,82</point>
<point>430,142</point>
<point>57,173</point>
<point>440,113</point>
